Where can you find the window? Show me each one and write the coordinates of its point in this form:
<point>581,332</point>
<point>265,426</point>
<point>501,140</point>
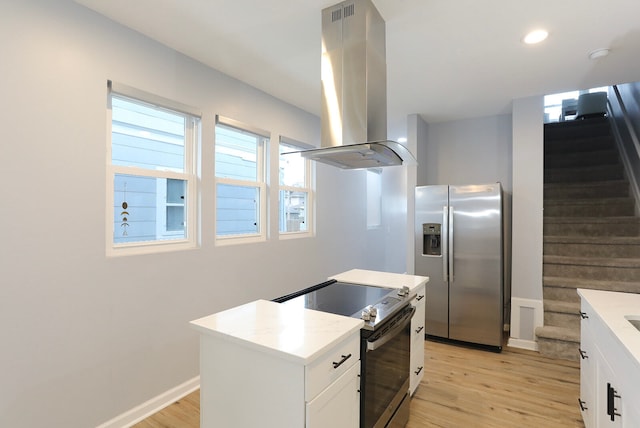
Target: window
<point>294,205</point>
<point>241,204</point>
<point>374,198</point>
<point>563,106</point>
<point>151,174</point>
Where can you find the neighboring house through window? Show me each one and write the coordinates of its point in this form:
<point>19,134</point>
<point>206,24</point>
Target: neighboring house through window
<point>151,174</point>
<point>240,160</point>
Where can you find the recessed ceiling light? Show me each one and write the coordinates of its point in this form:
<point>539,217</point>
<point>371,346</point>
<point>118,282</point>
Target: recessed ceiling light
<point>598,53</point>
<point>535,36</point>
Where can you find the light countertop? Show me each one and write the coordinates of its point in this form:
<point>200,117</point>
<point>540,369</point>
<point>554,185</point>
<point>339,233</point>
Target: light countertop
<point>612,307</point>
<point>290,332</point>
<point>380,279</point>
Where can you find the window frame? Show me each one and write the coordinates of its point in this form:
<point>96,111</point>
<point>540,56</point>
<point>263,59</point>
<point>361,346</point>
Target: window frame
<point>309,178</point>
<point>261,184</point>
<point>193,126</point>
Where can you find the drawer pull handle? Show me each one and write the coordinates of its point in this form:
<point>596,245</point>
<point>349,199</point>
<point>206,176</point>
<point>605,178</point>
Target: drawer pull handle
<point>583,354</point>
<point>582,405</point>
<point>611,407</point>
<point>420,297</point>
<point>419,329</point>
<point>419,370</point>
<point>339,363</point>
<point>583,315</point>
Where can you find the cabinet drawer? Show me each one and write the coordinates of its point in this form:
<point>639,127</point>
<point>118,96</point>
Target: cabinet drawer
<point>338,405</point>
<point>330,366</point>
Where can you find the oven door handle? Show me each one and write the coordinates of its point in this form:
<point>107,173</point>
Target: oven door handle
<point>372,346</point>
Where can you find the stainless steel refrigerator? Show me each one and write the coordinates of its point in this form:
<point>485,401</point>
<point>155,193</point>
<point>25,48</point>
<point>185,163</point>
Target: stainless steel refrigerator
<point>458,245</point>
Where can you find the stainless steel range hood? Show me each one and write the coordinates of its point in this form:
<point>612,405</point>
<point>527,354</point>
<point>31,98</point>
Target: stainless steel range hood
<point>354,91</point>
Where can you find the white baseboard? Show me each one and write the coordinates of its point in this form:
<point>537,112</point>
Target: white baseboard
<point>530,345</point>
<point>153,405</point>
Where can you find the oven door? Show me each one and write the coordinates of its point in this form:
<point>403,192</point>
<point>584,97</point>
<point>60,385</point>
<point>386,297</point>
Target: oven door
<point>384,356</point>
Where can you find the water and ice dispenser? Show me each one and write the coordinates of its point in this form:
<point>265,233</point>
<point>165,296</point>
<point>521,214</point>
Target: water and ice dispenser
<point>431,239</point>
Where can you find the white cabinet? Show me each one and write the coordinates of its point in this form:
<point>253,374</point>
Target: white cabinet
<point>609,372</point>
<point>271,366</point>
<point>417,340</point>
<point>338,405</point>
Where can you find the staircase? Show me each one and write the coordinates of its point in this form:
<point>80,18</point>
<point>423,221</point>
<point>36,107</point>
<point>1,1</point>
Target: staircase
<point>591,231</point>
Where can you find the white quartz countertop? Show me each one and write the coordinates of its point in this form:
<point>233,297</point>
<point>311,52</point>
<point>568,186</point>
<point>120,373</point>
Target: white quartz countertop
<point>612,307</point>
<point>290,332</point>
<point>380,279</point>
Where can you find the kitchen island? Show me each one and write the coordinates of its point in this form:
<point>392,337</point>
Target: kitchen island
<point>272,365</point>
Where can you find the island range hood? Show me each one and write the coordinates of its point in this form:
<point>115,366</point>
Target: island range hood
<point>354,91</point>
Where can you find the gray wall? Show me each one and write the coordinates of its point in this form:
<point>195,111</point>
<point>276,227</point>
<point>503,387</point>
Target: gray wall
<point>86,337</point>
<point>467,151</point>
<point>528,187</point>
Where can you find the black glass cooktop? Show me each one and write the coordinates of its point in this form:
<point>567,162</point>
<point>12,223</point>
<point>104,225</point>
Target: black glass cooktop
<point>340,298</point>
<point>349,300</point>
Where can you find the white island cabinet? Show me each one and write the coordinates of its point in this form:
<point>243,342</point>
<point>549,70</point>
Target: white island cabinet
<point>267,365</point>
<point>397,280</point>
<point>609,359</point>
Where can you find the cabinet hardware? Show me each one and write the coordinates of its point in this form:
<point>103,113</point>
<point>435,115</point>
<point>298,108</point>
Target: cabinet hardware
<point>419,370</point>
<point>419,329</point>
<point>583,354</point>
<point>611,409</point>
<point>339,363</point>
<point>420,297</point>
<point>583,315</point>
<point>582,405</point>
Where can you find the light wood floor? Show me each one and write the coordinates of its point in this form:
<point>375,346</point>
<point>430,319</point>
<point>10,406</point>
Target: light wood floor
<point>464,387</point>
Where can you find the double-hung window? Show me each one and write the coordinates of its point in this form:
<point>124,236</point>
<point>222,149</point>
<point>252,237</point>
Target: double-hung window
<point>151,172</point>
<point>240,164</point>
<point>295,195</point>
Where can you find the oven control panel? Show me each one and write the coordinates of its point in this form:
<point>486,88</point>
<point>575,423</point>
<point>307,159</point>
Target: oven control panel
<point>383,309</point>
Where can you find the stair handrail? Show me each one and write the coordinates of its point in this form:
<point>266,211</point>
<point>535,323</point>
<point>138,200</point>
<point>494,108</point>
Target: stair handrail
<point>632,175</point>
<point>627,120</point>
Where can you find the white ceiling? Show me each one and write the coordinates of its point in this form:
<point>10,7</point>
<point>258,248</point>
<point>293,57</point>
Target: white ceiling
<point>445,59</point>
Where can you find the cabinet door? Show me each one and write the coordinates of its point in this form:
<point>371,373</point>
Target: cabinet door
<point>417,341</point>
<point>338,406</point>
<point>607,391</point>
<point>631,413</point>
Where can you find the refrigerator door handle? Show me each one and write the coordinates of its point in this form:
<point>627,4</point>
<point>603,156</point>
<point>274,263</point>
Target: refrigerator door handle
<point>450,244</point>
<point>445,243</point>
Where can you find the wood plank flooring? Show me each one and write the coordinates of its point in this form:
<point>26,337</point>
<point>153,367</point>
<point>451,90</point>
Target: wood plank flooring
<point>464,387</point>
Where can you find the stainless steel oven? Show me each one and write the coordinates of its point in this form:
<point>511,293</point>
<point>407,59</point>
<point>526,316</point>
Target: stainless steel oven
<point>384,354</point>
<point>385,343</point>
